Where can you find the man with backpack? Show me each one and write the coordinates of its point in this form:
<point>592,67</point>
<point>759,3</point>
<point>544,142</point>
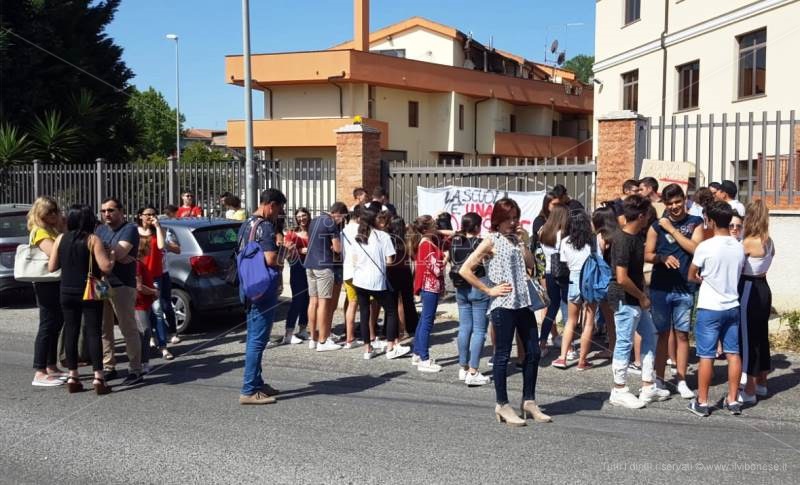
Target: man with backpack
<point>671,242</point>
<point>260,269</point>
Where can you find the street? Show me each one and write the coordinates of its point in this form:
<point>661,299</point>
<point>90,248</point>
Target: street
<point>340,419</point>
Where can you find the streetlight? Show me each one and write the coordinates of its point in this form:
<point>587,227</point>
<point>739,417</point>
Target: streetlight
<point>177,158</point>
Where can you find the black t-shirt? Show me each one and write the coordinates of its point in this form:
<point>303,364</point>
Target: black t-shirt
<point>460,249</point>
<point>574,205</point>
<point>626,251</point>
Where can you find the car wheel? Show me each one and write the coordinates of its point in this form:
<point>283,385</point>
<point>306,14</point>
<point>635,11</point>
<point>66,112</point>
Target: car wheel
<point>181,303</point>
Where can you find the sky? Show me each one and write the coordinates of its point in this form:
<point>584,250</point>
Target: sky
<point>209,30</point>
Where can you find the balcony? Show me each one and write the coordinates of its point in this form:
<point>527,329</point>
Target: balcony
<point>306,132</point>
<point>540,146</point>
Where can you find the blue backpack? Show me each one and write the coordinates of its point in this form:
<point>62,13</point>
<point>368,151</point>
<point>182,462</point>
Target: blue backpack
<point>595,278</point>
<point>256,279</point>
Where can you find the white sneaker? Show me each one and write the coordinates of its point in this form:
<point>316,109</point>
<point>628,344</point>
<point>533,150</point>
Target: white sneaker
<point>369,355</point>
<point>46,382</point>
<point>175,339</point>
<point>572,356</point>
<point>302,334</point>
<point>428,366</point>
<point>293,340</point>
<point>415,360</point>
<point>761,391</point>
<point>684,391</point>
<point>153,343</point>
<point>745,398</point>
<point>476,379</point>
<point>328,345</point>
<point>743,379</point>
<point>623,397</point>
<point>397,351</point>
<point>349,345</point>
<point>379,344</point>
<point>670,363</point>
<point>653,393</point>
<point>335,337</point>
<point>462,373</point>
<point>634,368</point>
<point>271,344</point>
<point>550,342</point>
<point>312,345</point>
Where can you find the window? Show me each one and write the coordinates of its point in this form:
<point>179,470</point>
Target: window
<point>633,11</point>
<point>391,52</point>
<point>688,85</point>
<point>630,90</point>
<point>413,114</point>
<point>460,116</point>
<point>371,102</point>
<point>512,123</point>
<point>752,63</point>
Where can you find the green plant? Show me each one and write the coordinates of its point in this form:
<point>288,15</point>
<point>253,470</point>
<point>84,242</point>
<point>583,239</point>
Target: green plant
<point>14,145</point>
<point>55,139</point>
<point>792,320</point>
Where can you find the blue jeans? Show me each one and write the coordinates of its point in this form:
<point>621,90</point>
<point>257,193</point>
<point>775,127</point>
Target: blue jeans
<point>298,310</point>
<point>558,299</point>
<point>259,326</point>
<point>423,334</point>
<point>671,309</point>
<point>158,326</point>
<point>472,322</point>
<point>713,326</point>
<point>629,319</point>
<point>164,283</point>
<point>505,322</point>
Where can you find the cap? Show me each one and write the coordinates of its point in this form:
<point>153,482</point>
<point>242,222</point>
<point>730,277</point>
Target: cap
<point>729,188</point>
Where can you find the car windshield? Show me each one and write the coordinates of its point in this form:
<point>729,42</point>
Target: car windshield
<point>14,225</point>
<point>212,239</point>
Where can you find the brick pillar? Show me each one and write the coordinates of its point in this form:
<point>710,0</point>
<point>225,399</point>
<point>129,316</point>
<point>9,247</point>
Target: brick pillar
<point>358,160</point>
<point>616,153</point>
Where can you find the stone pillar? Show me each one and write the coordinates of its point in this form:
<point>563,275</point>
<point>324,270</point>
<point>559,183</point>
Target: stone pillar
<point>358,160</point>
<point>616,153</point>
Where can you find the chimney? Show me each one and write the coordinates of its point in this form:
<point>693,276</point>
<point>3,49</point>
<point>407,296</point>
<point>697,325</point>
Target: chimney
<point>361,25</point>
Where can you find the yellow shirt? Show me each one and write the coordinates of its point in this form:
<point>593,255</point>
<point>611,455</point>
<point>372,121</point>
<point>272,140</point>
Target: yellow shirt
<point>39,234</point>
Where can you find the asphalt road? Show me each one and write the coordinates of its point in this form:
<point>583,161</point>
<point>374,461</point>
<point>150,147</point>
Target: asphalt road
<point>344,420</point>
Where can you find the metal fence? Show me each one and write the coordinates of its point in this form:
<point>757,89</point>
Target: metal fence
<point>758,152</point>
<point>306,183</point>
<point>507,174</point>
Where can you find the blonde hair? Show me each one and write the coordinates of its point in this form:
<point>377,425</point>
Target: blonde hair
<point>41,207</point>
<point>756,220</point>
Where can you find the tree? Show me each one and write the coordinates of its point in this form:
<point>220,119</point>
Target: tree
<point>197,152</point>
<point>581,65</point>
<point>53,53</point>
<point>155,121</point>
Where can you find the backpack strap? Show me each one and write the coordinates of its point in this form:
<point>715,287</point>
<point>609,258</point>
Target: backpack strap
<point>253,229</point>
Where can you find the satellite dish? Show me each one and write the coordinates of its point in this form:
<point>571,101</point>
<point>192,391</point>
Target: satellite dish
<point>554,46</point>
<point>561,58</point>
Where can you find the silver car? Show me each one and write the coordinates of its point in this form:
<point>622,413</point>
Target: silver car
<point>197,273</point>
<point>13,232</point>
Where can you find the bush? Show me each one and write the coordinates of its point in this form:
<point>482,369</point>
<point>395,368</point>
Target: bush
<point>790,338</point>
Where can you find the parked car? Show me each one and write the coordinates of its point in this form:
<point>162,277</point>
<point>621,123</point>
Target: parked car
<point>13,232</point>
<point>197,273</point>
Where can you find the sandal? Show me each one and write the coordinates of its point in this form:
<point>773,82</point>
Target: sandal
<point>100,386</point>
<point>74,385</point>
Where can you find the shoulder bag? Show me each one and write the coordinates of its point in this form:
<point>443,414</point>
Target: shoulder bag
<point>558,269</point>
<point>96,289</point>
<point>30,265</point>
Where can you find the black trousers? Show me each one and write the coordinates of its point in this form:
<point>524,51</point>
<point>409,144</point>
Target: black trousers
<point>389,304</point>
<point>74,308</point>
<point>51,319</point>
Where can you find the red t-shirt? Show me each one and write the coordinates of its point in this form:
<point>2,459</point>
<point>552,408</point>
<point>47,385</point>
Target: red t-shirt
<point>429,274</point>
<point>299,241</point>
<point>144,302</point>
<point>154,260</point>
<point>193,211</point>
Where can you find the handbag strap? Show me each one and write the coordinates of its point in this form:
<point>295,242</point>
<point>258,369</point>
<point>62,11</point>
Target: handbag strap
<point>91,257</point>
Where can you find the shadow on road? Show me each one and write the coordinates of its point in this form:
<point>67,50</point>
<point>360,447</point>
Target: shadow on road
<point>343,385</point>
<point>588,401</point>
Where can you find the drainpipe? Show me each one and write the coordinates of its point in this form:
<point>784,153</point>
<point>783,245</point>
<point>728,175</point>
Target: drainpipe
<point>330,80</point>
<point>664,74</point>
<point>270,101</point>
<point>475,125</point>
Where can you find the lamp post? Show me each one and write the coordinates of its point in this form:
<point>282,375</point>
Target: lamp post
<point>251,195</point>
<point>177,158</point>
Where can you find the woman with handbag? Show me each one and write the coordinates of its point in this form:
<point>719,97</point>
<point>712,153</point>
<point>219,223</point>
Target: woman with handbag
<point>472,303</point>
<point>556,274</point>
<point>83,260</point>
<point>506,258</point>
<point>45,224</point>
<point>429,258</point>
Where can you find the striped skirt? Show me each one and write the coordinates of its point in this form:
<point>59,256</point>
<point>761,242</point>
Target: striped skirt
<point>755,298</point>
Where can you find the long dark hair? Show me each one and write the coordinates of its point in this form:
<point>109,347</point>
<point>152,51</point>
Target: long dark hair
<point>139,217</point>
<point>397,231</point>
<point>81,220</point>
<point>423,226</point>
<point>556,221</point>
<point>579,229</point>
<point>545,210</point>
<point>470,224</point>
<point>301,210</point>
<point>605,222</point>
<point>366,223</point>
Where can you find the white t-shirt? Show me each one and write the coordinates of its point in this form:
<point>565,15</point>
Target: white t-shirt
<point>348,239</point>
<point>369,260</point>
<point>574,257</point>
<point>720,260</point>
<point>549,251</point>
<point>737,206</point>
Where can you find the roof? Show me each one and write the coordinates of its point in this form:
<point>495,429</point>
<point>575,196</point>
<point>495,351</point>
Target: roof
<point>202,133</point>
<point>544,68</point>
<point>405,25</point>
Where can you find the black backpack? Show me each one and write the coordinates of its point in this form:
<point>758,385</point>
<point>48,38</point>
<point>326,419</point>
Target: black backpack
<point>456,262</point>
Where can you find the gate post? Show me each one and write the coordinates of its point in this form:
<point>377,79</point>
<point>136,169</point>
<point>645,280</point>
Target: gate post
<point>619,152</point>
<point>358,159</point>
<point>98,177</point>
<point>171,180</point>
<point>36,164</point>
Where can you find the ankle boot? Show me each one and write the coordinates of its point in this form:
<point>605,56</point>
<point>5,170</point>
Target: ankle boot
<point>530,409</point>
<point>506,413</point>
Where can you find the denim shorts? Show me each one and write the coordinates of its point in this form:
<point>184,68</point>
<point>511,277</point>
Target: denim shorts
<point>574,293</point>
<point>711,327</point>
<point>671,309</point>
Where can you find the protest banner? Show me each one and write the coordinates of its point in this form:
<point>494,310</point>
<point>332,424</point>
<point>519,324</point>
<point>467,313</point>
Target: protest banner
<point>461,200</point>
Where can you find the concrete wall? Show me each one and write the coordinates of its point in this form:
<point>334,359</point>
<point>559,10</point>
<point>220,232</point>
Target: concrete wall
<point>423,45</point>
<point>304,153</point>
<point>433,133</point>
<point>316,101</point>
<point>783,276</point>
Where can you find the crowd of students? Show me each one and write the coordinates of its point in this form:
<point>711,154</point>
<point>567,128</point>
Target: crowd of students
<point>676,265</point>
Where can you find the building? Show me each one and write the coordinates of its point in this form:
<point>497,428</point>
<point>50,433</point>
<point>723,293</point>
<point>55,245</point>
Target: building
<point>434,92</point>
<point>695,62</point>
<point>210,138</point>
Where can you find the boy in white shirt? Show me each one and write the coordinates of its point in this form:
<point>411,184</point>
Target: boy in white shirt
<point>717,266</point>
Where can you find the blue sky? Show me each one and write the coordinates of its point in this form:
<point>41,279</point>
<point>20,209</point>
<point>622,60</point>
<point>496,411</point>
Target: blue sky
<point>211,29</point>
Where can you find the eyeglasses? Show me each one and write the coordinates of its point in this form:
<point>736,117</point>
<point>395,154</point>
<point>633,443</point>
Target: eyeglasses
<point>735,226</point>
<point>151,214</point>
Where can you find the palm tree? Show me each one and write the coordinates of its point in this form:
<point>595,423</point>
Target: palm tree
<point>53,139</point>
